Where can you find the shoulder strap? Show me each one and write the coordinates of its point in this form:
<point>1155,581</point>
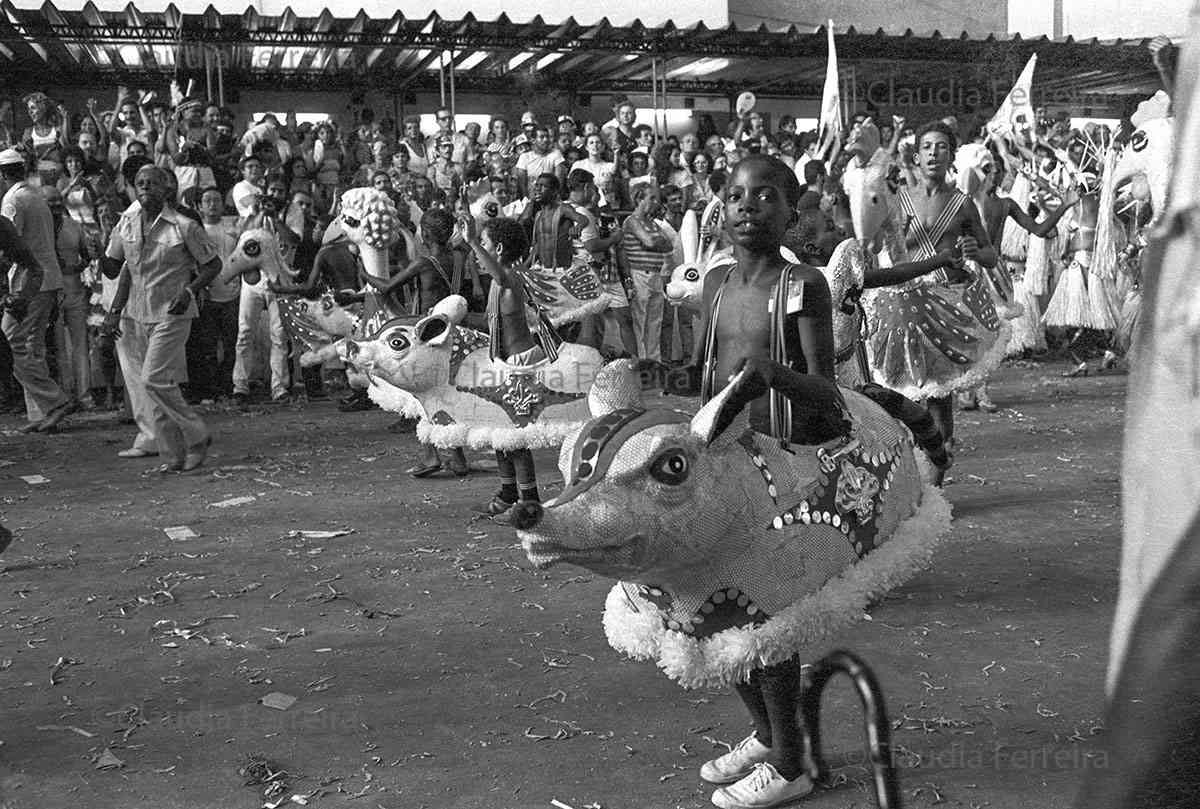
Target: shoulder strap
<point>441,271</point>
<point>709,369</point>
<point>781,407</point>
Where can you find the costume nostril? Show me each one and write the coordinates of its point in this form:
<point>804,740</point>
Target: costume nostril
<point>527,514</point>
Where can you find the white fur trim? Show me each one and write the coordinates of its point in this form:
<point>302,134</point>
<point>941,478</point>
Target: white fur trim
<point>449,436</point>
<point>728,657</point>
<point>976,375</point>
<point>534,436</point>
<point>587,309</point>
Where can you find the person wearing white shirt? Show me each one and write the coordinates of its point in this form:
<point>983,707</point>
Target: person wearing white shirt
<point>247,193</point>
<point>541,159</point>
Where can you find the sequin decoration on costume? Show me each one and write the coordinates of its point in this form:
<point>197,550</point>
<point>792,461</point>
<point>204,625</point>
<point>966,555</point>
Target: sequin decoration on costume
<point>726,608</point>
<point>848,499</point>
<point>564,296</point>
<point>466,341</point>
<point>760,463</point>
<point>856,492</point>
<point>977,297</point>
<point>602,438</point>
<point>523,396</point>
<point>582,282</point>
<point>317,323</point>
<point>682,511</point>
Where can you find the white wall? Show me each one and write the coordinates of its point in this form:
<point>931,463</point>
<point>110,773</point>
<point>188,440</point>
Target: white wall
<point>1106,19</point>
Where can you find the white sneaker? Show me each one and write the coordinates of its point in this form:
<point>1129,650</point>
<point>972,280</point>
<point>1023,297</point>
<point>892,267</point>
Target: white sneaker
<point>761,789</point>
<point>737,763</point>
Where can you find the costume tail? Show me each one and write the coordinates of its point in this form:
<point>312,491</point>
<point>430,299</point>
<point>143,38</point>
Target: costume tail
<point>916,418</point>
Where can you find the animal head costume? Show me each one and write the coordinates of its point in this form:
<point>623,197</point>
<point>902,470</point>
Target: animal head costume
<point>700,237</point>
<point>1146,162</point>
<point>316,324</point>
<point>467,398</point>
<point>733,553</point>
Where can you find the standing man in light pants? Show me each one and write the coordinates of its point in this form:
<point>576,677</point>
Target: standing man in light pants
<point>164,260</point>
<point>46,403</point>
<point>254,299</point>
<point>645,244</point>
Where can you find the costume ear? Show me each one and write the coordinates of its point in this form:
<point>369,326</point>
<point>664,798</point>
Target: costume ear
<point>616,386</point>
<point>689,237</point>
<point>711,222</point>
<point>726,416</point>
<point>452,307</point>
<point>433,330</point>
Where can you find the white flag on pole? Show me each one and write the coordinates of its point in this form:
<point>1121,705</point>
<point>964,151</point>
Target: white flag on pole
<point>831,102</point>
<point>1016,112</point>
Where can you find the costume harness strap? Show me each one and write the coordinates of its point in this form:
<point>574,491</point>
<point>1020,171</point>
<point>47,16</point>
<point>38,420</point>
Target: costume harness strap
<point>928,238</point>
<point>781,407</point>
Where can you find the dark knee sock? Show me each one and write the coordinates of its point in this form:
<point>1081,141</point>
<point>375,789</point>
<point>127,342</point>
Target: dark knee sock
<point>508,477</point>
<point>781,693</point>
<point>522,460</point>
<point>752,696</point>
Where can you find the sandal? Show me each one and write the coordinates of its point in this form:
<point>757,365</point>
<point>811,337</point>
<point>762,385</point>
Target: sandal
<point>425,470</point>
<point>460,471</point>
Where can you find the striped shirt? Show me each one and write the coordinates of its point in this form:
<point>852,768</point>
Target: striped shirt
<point>638,255</point>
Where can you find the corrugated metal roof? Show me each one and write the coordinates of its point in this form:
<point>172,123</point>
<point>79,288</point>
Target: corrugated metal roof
<point>48,45</point>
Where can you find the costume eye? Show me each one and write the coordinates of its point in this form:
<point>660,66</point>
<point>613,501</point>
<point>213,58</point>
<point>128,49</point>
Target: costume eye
<point>350,221</point>
<point>327,305</point>
<point>252,248</point>
<point>671,467</point>
<point>691,275</point>
<point>398,342</point>
<point>1139,141</point>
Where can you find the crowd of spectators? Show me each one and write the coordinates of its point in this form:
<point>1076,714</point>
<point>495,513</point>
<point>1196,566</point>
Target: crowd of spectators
<point>228,177</point>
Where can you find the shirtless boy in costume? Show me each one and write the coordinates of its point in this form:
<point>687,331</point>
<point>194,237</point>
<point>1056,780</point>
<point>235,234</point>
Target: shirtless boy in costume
<point>499,247</point>
<point>432,273</point>
<point>912,350</point>
<point>552,223</point>
<point>774,320</point>
<point>764,308</point>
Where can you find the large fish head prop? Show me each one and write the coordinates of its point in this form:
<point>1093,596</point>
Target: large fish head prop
<point>1145,163</point>
<point>327,315</point>
<point>975,167</point>
<point>412,354</point>
<point>369,218</point>
<point>256,254</point>
<point>871,195</point>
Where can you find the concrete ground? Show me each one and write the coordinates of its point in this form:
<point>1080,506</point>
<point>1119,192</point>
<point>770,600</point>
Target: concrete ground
<point>432,667</point>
